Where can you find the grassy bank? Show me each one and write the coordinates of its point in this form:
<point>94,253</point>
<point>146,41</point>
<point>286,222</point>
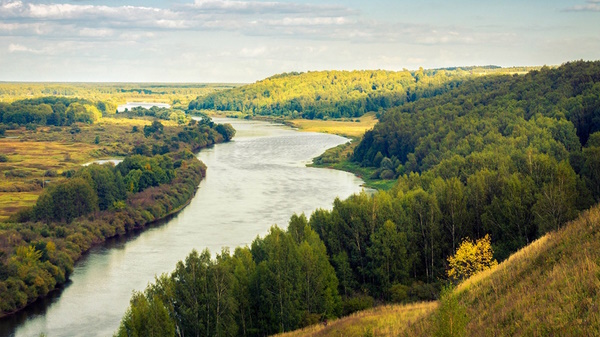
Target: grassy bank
<point>40,256</point>
<point>349,127</point>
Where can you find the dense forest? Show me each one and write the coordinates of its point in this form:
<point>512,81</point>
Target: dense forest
<point>176,115</point>
<point>336,94</point>
<point>57,111</point>
<point>328,94</point>
<point>39,245</point>
<point>509,156</point>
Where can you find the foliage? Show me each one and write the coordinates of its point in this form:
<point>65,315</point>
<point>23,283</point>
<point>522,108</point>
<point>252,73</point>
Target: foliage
<point>451,316</point>
<point>333,94</point>
<point>547,288</point>
<point>175,115</point>
<point>471,258</point>
<point>49,111</point>
<point>283,282</point>
<point>37,256</point>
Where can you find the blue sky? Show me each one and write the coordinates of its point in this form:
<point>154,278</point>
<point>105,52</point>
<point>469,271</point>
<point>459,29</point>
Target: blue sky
<point>247,40</point>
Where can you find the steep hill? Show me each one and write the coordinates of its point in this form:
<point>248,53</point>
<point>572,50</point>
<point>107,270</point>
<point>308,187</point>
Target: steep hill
<point>551,287</point>
<point>336,94</point>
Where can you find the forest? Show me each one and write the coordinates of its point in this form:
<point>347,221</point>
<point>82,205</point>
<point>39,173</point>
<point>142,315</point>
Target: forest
<point>80,206</point>
<point>337,94</point>
<point>509,156</point>
<point>57,111</point>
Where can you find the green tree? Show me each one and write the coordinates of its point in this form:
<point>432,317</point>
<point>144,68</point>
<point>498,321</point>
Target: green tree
<point>146,317</point>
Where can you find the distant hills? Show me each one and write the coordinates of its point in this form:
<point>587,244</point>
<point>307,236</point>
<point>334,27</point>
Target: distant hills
<point>338,94</point>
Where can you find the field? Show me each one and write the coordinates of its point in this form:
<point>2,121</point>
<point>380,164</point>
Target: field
<point>36,158</point>
<point>347,128</point>
<point>176,94</point>
<point>387,320</point>
<point>30,166</point>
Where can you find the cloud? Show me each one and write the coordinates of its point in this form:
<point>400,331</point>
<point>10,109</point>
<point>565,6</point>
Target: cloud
<point>16,48</point>
<point>293,20</point>
<point>96,32</point>
<point>589,6</point>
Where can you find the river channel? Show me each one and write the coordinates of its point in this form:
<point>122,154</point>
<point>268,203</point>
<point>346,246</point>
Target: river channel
<point>257,180</point>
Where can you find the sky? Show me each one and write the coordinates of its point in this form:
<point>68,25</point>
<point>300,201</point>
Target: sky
<point>243,41</point>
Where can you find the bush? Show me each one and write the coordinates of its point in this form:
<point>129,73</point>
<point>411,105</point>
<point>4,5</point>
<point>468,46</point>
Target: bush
<point>451,317</point>
<point>3,158</point>
<point>357,303</point>
<point>50,173</point>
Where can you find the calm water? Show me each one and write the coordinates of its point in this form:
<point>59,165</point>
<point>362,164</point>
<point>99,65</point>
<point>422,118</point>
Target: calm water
<point>252,183</point>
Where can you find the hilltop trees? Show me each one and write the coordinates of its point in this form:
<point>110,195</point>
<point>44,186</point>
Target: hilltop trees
<point>330,94</point>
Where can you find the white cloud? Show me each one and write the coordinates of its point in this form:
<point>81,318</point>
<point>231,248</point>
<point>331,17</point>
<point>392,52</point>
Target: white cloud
<point>95,32</point>
<point>253,52</point>
<point>16,48</point>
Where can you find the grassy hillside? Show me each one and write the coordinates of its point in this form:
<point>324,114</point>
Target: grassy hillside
<point>550,287</point>
<point>387,320</point>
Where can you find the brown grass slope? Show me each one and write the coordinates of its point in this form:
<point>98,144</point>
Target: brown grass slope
<point>549,288</point>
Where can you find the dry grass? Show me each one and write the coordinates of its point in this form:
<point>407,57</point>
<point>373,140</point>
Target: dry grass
<point>551,287</point>
<point>343,128</point>
<point>388,320</point>
<point>23,175</point>
<point>11,202</point>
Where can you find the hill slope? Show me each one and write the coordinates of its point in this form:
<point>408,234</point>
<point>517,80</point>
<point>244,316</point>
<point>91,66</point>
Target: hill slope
<point>551,287</point>
<point>336,94</point>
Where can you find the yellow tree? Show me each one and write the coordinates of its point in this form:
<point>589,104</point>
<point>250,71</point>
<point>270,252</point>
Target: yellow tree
<point>471,258</point>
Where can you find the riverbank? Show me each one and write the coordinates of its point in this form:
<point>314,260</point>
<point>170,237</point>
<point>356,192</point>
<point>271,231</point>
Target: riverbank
<point>336,158</point>
<point>55,248</point>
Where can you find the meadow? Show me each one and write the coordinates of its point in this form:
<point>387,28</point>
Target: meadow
<point>352,128</point>
<point>36,158</point>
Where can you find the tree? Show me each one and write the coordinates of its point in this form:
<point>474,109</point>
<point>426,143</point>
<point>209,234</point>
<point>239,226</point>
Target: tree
<point>471,258</point>
<point>388,256</point>
<point>146,317</point>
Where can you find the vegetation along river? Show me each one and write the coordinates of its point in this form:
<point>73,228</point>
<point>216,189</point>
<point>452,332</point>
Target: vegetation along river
<point>257,180</point>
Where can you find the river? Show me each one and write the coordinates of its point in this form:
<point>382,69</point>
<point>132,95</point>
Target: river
<point>257,180</point>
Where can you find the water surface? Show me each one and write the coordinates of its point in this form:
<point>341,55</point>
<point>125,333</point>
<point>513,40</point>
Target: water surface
<point>257,180</point>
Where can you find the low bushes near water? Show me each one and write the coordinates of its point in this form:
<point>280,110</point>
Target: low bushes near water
<point>35,257</point>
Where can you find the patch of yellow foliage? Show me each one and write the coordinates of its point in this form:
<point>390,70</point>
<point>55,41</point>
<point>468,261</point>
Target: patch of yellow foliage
<point>471,258</point>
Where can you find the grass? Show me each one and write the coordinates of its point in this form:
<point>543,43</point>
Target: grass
<point>38,157</point>
<point>25,172</point>
<point>347,128</point>
<point>387,320</point>
<point>11,202</point>
<point>338,158</point>
<point>549,288</point>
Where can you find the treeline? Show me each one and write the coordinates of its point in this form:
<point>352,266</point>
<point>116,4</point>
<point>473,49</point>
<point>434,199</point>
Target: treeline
<point>39,246</point>
<point>197,134</point>
<point>330,94</point>
<point>175,115</point>
<point>99,188</point>
<point>52,110</point>
<point>283,282</point>
<point>38,256</point>
<point>337,94</point>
